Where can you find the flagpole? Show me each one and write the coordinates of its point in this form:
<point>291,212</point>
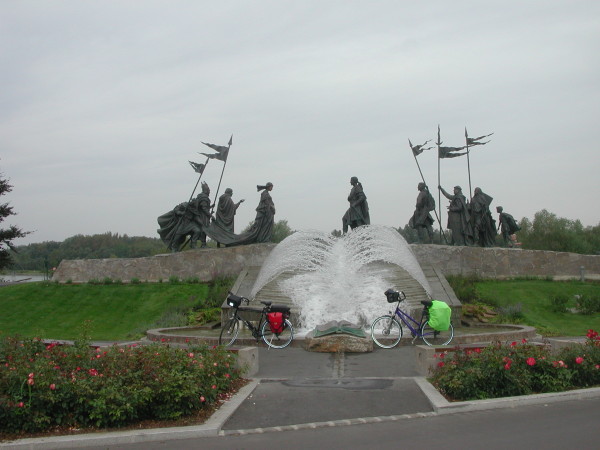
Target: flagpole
<point>222,172</point>
<point>468,164</point>
<point>423,178</point>
<point>439,142</point>
<point>197,182</point>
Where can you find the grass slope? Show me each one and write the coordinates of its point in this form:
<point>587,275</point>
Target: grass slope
<point>102,312</point>
<point>534,297</point>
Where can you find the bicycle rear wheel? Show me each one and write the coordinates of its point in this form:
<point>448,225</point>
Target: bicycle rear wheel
<point>278,340</point>
<point>386,331</point>
<point>434,337</point>
<point>229,332</point>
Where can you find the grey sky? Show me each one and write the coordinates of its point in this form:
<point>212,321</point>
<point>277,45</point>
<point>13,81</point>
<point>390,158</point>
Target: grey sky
<point>103,104</point>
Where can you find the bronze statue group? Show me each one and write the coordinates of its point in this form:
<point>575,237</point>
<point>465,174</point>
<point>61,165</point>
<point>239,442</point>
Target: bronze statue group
<point>470,222</point>
<point>194,221</point>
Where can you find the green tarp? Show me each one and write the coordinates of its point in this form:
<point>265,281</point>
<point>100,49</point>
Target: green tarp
<point>439,316</point>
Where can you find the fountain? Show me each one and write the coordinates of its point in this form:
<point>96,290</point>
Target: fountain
<point>328,278</point>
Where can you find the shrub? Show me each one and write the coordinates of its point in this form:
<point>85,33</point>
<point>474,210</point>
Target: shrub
<point>135,280</point>
<point>173,279</point>
<point>558,303</point>
<point>511,313</point>
<point>45,386</point>
<point>464,287</point>
<point>517,369</point>
<point>217,292</point>
<point>583,360</point>
<point>107,280</point>
<point>588,304</point>
<point>202,316</point>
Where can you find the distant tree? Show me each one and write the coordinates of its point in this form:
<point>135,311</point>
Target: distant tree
<point>281,230</point>
<point>550,232</point>
<point>408,233</point>
<point>336,233</point>
<point>106,245</point>
<point>12,232</point>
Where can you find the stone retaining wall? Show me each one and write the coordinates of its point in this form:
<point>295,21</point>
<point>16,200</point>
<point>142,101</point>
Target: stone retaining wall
<point>207,264</point>
<point>500,263</point>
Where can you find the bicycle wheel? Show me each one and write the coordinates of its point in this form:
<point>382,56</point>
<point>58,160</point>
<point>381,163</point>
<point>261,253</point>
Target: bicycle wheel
<point>434,337</point>
<point>386,331</point>
<point>278,340</point>
<point>229,332</point>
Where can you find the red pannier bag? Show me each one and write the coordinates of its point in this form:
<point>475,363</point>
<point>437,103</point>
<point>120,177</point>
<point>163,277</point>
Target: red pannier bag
<point>275,322</point>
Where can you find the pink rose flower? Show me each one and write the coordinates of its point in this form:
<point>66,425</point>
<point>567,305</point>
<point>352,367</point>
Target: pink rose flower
<point>530,361</point>
<point>579,360</point>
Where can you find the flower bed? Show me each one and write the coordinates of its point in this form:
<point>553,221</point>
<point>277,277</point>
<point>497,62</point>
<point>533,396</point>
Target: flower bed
<point>518,368</point>
<point>44,386</point>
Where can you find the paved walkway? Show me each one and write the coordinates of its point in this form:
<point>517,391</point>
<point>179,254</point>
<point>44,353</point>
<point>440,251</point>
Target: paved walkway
<point>300,387</point>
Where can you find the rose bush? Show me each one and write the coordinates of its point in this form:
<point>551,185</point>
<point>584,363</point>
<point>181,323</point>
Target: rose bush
<point>45,386</point>
<point>518,368</point>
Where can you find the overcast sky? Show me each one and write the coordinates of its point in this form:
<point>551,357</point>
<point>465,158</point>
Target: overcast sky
<point>104,103</point>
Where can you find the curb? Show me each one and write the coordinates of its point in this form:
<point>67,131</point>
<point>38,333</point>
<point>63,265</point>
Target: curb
<point>442,406</point>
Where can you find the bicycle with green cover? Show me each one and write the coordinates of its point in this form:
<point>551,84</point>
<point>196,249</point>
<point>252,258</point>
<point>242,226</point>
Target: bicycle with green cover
<point>273,326</point>
<point>434,327</point>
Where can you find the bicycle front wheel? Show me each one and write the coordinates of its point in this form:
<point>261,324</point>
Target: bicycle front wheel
<point>434,337</point>
<point>229,332</point>
<point>278,340</point>
<point>386,331</point>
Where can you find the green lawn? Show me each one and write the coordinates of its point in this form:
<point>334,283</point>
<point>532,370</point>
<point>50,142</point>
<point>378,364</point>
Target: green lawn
<point>534,297</point>
<point>108,312</point>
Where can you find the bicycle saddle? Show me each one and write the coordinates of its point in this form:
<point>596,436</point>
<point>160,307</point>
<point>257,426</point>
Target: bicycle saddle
<point>427,303</point>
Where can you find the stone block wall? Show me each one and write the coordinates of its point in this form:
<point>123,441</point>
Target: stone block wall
<point>207,264</point>
<point>501,263</point>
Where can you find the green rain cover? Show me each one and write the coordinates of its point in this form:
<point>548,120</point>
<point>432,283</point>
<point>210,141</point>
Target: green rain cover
<point>439,316</point>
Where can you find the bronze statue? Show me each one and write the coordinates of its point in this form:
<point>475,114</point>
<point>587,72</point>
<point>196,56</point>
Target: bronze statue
<point>226,209</point>
<point>177,225</point>
<point>188,219</point>
<point>202,211</point>
<point>458,217</point>
<point>265,215</point>
<point>508,227</point>
<point>358,213</point>
<point>484,226</point>
<point>421,219</point>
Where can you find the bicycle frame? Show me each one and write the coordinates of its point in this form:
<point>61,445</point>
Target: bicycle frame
<point>254,329</point>
<point>403,316</point>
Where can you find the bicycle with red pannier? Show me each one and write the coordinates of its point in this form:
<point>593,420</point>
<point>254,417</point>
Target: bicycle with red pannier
<point>273,326</point>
